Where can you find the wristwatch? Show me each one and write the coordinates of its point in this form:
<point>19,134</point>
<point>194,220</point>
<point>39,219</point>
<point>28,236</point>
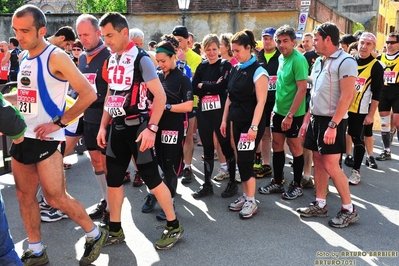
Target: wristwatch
<point>153,128</point>
<point>254,128</point>
<point>332,124</point>
<point>57,121</point>
<point>168,107</point>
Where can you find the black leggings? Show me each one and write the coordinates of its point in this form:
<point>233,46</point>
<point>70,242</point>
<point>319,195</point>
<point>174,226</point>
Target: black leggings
<point>209,122</point>
<point>245,159</point>
<point>169,146</point>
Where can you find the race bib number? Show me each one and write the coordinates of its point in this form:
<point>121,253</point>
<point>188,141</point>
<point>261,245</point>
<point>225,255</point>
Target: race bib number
<point>244,144</point>
<point>359,84</point>
<point>27,101</point>
<point>309,86</point>
<point>169,137</point>
<point>91,77</point>
<point>390,77</point>
<point>114,105</point>
<point>272,83</point>
<point>210,102</point>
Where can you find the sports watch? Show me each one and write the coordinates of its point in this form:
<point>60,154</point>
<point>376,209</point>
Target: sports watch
<point>332,124</point>
<point>57,121</point>
<point>254,128</point>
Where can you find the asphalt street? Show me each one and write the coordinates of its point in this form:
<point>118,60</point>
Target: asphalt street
<point>216,236</point>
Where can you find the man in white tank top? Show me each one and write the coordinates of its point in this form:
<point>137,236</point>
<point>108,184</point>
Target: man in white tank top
<point>45,71</point>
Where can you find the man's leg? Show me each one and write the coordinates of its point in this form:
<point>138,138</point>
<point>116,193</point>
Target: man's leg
<point>385,136</point>
<point>188,150</point>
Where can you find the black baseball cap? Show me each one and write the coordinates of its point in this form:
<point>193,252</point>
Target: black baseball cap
<point>180,31</point>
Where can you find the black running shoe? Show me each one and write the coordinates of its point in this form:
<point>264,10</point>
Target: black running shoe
<point>231,189</point>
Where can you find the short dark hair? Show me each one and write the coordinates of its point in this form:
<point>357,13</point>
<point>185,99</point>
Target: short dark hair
<point>348,39</point>
<point>39,19</point>
<point>14,41</point>
<point>67,32</point>
<point>285,30</point>
<point>328,29</point>
<point>117,20</point>
<point>153,44</point>
<point>394,34</point>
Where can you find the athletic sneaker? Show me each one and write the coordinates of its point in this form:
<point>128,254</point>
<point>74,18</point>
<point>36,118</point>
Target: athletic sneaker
<point>221,175</point>
<point>313,210</point>
<point>149,204</point>
<point>272,187</point>
<point>238,176</point>
<point>230,190</point>
<point>187,176</point>
<point>44,207</point>
<point>106,218</point>
<point>307,183</point>
<point>215,155</point>
<point>53,215</point>
<point>93,248</point>
<point>385,155</point>
<point>344,218</point>
<point>98,212</point>
<point>138,181</point>
<point>354,178</point>
<point>249,209</point>
<point>114,237</point>
<point>349,161</point>
<point>294,191</point>
<point>370,162</point>
<point>126,179</point>
<point>266,170</point>
<point>257,167</point>
<point>257,163</point>
<point>67,166</point>
<point>237,204</point>
<point>161,214</point>
<point>169,237</point>
<point>30,259</point>
<point>205,190</point>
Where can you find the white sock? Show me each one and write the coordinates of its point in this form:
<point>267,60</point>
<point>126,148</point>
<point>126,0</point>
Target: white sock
<point>223,166</point>
<point>94,233</point>
<point>36,247</point>
<point>321,202</point>
<point>236,167</point>
<point>251,199</point>
<point>102,182</point>
<point>244,195</point>
<point>187,166</point>
<point>348,207</point>
<point>306,177</point>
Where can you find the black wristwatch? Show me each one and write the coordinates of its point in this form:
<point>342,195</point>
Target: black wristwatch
<point>57,121</point>
<point>332,124</point>
<point>168,107</point>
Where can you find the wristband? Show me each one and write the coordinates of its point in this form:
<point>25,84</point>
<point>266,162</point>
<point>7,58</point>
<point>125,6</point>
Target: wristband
<point>153,128</point>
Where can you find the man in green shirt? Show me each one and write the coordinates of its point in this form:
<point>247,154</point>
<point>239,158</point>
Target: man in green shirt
<point>288,112</point>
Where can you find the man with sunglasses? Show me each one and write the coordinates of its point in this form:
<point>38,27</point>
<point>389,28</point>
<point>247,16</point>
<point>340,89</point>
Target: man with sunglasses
<point>334,76</point>
<point>389,98</point>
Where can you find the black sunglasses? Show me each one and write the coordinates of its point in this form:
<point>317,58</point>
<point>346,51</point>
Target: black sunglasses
<point>390,42</point>
<point>319,28</point>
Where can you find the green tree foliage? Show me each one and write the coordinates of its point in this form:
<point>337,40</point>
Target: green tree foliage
<point>357,26</point>
<point>9,6</point>
<point>101,6</point>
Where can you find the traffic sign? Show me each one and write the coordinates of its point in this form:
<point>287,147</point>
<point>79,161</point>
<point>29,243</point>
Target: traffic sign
<point>303,17</point>
<point>305,3</point>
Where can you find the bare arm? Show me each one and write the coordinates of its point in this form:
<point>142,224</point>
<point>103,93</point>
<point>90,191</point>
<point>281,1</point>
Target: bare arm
<point>261,96</point>
<point>224,117</point>
<point>300,94</point>
<point>184,107</point>
<point>147,136</point>
<point>369,119</point>
<point>64,68</point>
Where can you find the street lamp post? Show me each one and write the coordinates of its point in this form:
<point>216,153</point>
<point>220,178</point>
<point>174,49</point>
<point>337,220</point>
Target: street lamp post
<point>183,6</point>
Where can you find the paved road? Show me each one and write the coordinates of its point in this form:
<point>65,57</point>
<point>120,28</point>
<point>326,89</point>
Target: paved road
<point>216,236</point>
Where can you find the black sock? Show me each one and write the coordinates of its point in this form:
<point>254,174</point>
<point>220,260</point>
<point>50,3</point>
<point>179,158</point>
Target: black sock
<point>174,224</point>
<point>298,168</point>
<point>278,166</point>
<point>115,226</point>
<point>258,155</point>
<point>208,169</point>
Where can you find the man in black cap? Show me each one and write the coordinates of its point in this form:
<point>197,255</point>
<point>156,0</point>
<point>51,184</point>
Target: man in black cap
<point>188,57</point>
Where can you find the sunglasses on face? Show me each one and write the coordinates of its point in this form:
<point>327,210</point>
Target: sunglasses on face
<point>391,42</point>
<point>76,49</point>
